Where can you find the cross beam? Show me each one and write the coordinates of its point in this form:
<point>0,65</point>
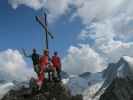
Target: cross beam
<point>45,27</point>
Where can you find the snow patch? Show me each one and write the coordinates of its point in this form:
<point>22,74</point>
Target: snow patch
<point>128,59</point>
<point>91,91</point>
<point>78,85</point>
<point>4,88</point>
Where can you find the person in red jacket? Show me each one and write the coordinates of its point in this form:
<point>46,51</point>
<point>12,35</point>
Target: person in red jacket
<point>43,62</point>
<point>57,64</point>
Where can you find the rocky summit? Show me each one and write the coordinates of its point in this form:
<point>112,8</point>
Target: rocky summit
<point>119,89</point>
<point>50,91</point>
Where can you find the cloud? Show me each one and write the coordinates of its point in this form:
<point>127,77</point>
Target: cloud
<point>35,4</point>
<point>56,8</point>
<point>109,42</point>
<point>112,35</point>
<point>116,15</point>
<point>96,10</point>
<point>109,24</point>
<point>87,10</point>
<point>13,66</point>
<point>114,50</point>
<point>82,59</point>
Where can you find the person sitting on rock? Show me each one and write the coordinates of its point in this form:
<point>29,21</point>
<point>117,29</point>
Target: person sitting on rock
<point>57,64</point>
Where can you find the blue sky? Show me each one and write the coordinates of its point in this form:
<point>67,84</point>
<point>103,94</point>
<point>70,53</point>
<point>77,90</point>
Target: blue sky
<point>94,32</point>
<point>18,29</point>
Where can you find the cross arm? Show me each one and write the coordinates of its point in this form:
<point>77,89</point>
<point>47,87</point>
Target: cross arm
<point>44,26</point>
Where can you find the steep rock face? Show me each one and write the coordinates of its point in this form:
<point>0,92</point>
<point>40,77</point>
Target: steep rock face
<point>119,89</point>
<point>123,68</point>
<point>51,91</point>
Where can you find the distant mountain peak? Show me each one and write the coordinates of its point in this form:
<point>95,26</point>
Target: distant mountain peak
<point>128,59</point>
<point>121,69</point>
<point>85,75</point>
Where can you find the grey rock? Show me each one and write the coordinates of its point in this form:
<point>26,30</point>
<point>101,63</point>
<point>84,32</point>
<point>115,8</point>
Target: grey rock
<point>119,89</point>
<point>49,91</point>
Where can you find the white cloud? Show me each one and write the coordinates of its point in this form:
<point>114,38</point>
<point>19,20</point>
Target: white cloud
<point>13,66</point>
<point>95,10</point>
<point>109,24</point>
<point>82,59</point>
<point>116,15</point>
<point>35,4</point>
<point>116,49</point>
<point>122,26</point>
<point>87,10</point>
<point>101,32</point>
<point>112,36</point>
<point>56,8</point>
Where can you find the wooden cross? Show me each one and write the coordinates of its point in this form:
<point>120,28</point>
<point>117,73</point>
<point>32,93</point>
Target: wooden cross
<point>44,24</point>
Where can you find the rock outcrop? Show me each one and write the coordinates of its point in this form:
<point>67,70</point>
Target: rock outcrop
<point>50,91</point>
<point>119,89</point>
